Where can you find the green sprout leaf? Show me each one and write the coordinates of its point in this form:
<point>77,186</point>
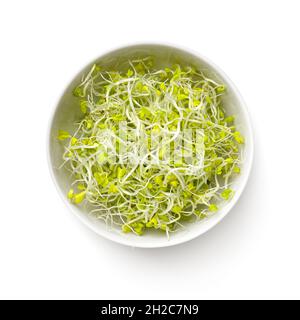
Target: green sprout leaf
<point>227,194</point>
<point>83,106</point>
<point>213,208</point>
<point>78,198</point>
<point>238,137</point>
<point>62,135</point>
<point>71,194</point>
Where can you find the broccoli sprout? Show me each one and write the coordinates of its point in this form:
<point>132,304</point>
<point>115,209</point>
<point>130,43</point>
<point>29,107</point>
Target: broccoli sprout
<point>154,147</point>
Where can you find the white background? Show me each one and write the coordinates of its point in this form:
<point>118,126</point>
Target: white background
<point>46,253</point>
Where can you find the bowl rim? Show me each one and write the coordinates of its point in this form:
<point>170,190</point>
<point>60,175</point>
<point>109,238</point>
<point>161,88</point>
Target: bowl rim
<point>189,236</point>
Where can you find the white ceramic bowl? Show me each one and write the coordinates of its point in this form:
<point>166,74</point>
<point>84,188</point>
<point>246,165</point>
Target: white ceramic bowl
<point>65,115</point>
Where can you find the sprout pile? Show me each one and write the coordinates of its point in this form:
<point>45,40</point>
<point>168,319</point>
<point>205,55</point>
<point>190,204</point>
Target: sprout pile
<point>154,147</point>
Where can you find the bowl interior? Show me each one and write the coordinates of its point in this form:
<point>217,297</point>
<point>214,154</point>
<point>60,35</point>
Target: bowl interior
<point>67,113</point>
